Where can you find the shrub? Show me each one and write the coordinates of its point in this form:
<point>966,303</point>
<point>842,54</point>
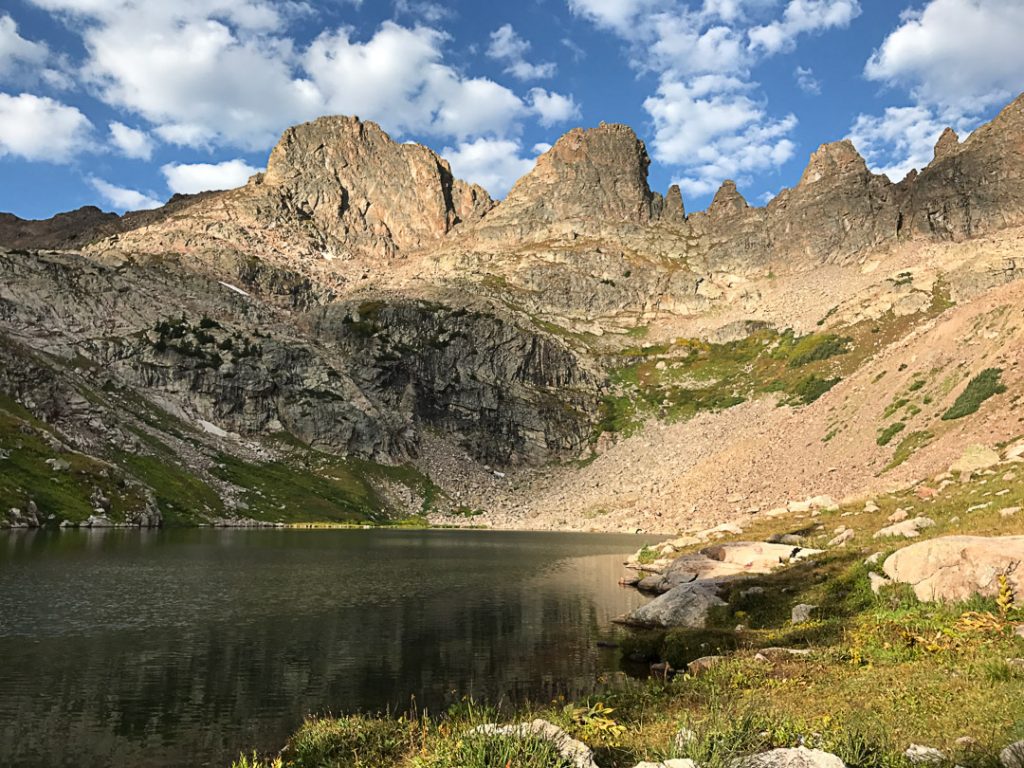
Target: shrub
<point>811,349</point>
<point>809,389</point>
<point>978,390</point>
<point>890,432</point>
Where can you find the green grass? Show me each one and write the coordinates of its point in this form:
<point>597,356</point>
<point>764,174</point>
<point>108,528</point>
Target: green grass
<point>979,389</point>
<point>886,435</point>
<point>66,494</point>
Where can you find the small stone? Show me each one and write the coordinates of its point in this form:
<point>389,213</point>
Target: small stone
<point>899,516</point>
<point>842,539</point>
<point>917,753</point>
<point>802,613</point>
<point>871,507</point>
<point>1009,511</point>
<point>878,581</point>
<point>873,559</point>
<point>1018,631</point>
<point>699,666</point>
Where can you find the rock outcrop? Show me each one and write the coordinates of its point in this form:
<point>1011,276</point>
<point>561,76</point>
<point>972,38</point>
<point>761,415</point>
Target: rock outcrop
<point>953,568</point>
<point>365,192</point>
<point>590,180</point>
<point>972,187</point>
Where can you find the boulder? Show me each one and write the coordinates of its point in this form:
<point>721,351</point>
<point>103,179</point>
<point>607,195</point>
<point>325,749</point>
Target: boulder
<point>675,763</point>
<point>975,459</point>
<point>802,613</point>
<point>908,529</point>
<point>954,568</point>
<point>684,606</point>
<point>843,538</point>
<point>1013,755</point>
<point>798,757</point>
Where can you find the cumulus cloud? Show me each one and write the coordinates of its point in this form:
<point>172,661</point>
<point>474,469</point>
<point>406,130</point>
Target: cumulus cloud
<point>494,164</point>
<point>617,15</point>
<point>398,78</point>
<point>131,142</point>
<point>508,47</point>
<point>553,108</point>
<point>806,80</point>
<point>122,198</point>
<point>16,51</point>
<point>954,59</point>
<point>40,128</point>
<point>896,142</point>
<point>714,130</point>
<point>802,16</point>
<point>963,55</point>
<point>188,179</point>
<point>208,73</point>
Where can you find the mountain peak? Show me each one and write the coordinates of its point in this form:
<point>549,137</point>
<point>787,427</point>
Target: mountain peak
<point>596,173</point>
<point>833,159</point>
<point>948,143</point>
<point>355,181</point>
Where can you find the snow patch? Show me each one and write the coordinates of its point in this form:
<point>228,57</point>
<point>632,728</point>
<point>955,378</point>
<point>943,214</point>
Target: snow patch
<point>234,288</point>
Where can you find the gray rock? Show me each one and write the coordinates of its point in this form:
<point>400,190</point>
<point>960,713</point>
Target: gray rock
<point>919,754</point>
<point>684,606</point>
<point>798,757</point>
<point>1013,755</point>
<point>802,613</point>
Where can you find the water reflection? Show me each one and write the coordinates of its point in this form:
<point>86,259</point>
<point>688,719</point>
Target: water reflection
<point>140,648</point>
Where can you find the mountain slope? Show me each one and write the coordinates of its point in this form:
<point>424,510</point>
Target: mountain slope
<point>581,354</point>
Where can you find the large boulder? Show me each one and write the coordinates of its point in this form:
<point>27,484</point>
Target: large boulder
<point>954,568</point>
<point>687,605</point>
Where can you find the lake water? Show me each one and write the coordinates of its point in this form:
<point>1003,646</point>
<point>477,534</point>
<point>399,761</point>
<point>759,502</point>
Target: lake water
<point>179,648</point>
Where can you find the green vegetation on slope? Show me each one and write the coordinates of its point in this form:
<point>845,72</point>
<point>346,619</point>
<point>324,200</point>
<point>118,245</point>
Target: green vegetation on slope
<point>979,389</point>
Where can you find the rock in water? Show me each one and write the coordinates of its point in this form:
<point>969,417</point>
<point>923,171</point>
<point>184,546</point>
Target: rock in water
<point>684,606</point>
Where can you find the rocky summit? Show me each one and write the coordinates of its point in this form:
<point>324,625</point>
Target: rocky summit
<point>582,354</point>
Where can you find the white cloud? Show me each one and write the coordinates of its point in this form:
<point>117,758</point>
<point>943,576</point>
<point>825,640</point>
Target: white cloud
<point>961,55</point>
<point>122,198</point>
<point>618,15</point>
<point>494,164</point>
<point>131,142</point>
<point>541,147</point>
<point>898,141</point>
<point>799,17</point>
<point>553,108</point>
<point>508,47</point>
<point>682,47</point>
<point>806,80</point>
<point>714,130</point>
<point>17,52</point>
<point>431,13</point>
<point>210,73</point>
<point>40,128</point>
<point>398,79</point>
<point>188,179</point>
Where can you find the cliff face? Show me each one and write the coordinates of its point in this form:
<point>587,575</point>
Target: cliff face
<point>974,187</point>
<point>365,192</point>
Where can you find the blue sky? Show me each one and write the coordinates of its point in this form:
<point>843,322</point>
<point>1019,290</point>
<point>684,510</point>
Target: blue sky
<point>120,103</point>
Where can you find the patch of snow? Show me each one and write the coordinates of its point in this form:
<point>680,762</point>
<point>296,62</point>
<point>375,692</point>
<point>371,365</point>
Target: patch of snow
<point>234,288</point>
